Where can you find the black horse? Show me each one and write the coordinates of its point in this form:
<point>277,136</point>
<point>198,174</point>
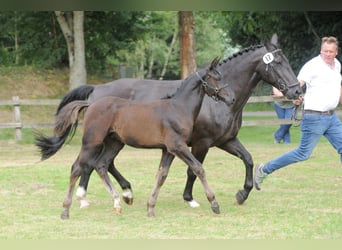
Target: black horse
<point>217,125</point>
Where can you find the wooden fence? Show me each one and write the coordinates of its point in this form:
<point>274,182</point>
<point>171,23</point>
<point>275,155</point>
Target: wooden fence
<point>18,125</point>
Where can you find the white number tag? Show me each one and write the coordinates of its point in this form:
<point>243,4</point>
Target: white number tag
<point>268,58</point>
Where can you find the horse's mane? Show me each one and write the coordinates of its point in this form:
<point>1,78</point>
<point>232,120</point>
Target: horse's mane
<point>242,51</point>
<point>236,54</point>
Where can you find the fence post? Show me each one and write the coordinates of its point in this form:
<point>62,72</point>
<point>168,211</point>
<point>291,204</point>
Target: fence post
<point>16,110</point>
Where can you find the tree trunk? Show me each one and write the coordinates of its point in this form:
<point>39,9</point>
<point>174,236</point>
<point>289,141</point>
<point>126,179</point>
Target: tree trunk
<point>174,37</point>
<point>186,25</point>
<point>72,28</point>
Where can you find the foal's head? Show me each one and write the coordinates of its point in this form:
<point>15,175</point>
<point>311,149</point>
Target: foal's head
<point>212,86</point>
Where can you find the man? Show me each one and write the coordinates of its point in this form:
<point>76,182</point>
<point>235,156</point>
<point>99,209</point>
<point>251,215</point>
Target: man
<point>323,93</point>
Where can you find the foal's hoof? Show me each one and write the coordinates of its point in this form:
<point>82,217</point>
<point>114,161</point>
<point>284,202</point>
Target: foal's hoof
<point>241,196</point>
<point>64,216</point>
<point>215,207</point>
<point>150,214</point>
<point>84,204</point>
<point>117,210</point>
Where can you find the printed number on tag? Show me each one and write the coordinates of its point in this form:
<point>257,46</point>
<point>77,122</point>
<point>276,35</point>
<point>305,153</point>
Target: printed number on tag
<point>268,58</point>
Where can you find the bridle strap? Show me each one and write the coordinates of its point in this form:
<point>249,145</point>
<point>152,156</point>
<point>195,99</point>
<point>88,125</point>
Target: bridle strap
<point>281,86</point>
<point>215,89</point>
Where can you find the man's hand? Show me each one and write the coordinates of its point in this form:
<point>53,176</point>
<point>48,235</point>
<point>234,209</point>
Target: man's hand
<point>298,101</point>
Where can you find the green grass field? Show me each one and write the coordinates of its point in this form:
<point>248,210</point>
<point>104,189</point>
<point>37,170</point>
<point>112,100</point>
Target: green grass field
<point>302,201</point>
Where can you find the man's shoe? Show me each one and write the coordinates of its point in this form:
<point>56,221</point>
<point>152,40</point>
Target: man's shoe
<point>259,176</point>
<point>276,141</point>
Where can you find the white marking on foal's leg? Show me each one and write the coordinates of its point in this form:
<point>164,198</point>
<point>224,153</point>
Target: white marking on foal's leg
<point>117,205</point>
<point>193,203</point>
<point>81,196</point>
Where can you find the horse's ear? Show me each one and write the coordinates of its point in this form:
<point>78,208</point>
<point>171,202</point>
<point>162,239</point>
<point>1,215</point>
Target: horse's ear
<point>273,42</point>
<point>215,62</point>
<point>274,39</point>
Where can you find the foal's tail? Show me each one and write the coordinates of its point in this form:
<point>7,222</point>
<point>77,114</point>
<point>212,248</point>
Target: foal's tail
<point>65,126</point>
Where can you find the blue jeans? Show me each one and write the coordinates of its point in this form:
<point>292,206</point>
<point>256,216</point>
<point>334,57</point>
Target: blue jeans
<point>313,126</point>
<point>283,133</point>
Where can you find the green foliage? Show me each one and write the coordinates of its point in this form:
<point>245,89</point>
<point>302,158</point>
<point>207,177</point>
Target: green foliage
<point>299,32</point>
<point>140,40</point>
<point>31,38</point>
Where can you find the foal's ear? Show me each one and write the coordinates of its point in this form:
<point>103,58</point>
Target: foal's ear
<point>215,62</point>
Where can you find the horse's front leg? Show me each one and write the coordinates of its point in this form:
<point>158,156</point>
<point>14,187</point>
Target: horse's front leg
<point>162,173</point>
<point>102,172</point>
<point>235,147</point>
<point>125,185</point>
<point>199,150</point>
<point>184,154</point>
<point>113,148</point>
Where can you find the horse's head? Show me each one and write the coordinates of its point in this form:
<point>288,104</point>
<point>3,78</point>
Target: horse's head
<point>275,69</point>
<point>212,85</point>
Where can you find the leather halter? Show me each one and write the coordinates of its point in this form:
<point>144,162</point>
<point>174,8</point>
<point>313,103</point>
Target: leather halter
<point>282,86</point>
<point>216,89</point>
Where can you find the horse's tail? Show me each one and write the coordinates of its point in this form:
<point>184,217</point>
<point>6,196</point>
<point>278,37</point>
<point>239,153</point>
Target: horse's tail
<point>79,93</point>
<point>65,126</point>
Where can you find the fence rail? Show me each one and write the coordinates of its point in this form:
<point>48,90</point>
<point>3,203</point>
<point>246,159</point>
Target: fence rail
<point>18,125</point>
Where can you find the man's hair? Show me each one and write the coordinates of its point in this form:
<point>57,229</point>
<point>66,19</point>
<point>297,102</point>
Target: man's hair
<point>330,39</point>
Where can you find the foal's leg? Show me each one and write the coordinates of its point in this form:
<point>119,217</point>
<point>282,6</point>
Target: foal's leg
<point>124,184</point>
<point>74,175</point>
<point>83,164</point>
<point>110,188</point>
<point>162,173</point>
<point>111,148</point>
<point>183,153</point>
<point>235,147</point>
<point>127,194</point>
<point>199,150</point>
<point>82,189</point>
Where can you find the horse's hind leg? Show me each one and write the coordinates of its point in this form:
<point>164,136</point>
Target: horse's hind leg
<point>235,147</point>
<point>162,173</point>
<point>75,173</point>
<point>82,188</point>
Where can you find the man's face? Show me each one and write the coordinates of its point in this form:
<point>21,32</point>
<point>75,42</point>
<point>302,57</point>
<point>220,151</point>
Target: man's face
<point>328,52</point>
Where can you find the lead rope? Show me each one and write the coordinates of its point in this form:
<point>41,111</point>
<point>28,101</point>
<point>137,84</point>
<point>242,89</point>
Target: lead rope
<point>295,112</point>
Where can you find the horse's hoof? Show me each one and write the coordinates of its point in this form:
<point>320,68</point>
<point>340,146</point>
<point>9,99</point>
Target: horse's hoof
<point>150,214</point>
<point>215,207</point>
<point>150,211</point>
<point>127,196</point>
<point>64,216</point>
<point>241,197</point>
<point>128,200</point>
<point>84,204</point>
<point>193,203</point>
<point>117,210</point>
